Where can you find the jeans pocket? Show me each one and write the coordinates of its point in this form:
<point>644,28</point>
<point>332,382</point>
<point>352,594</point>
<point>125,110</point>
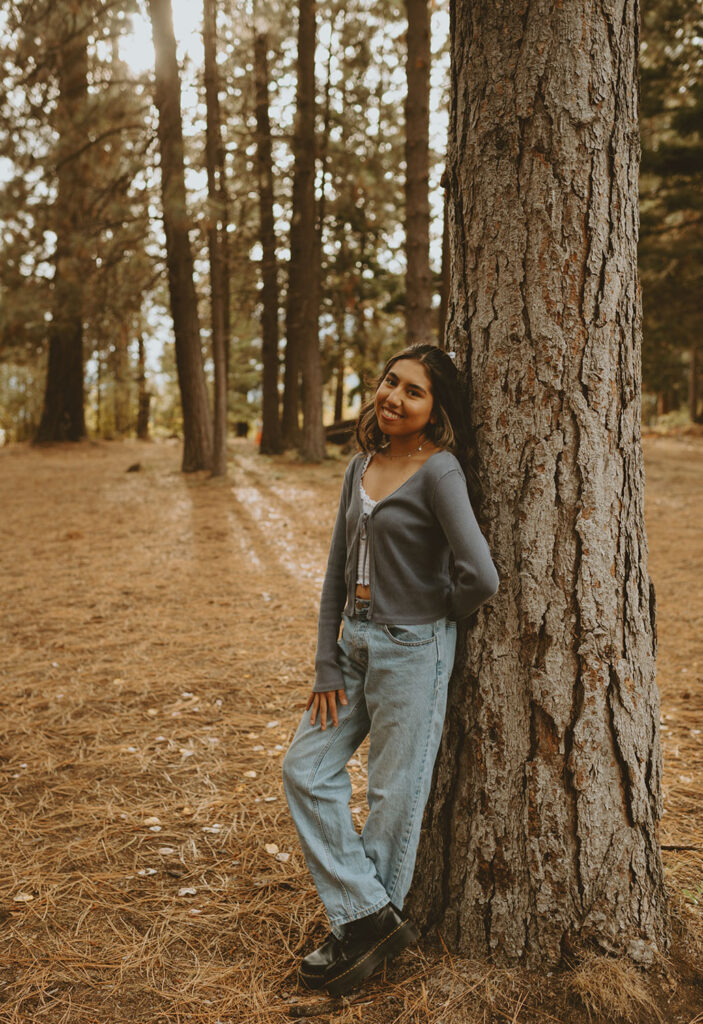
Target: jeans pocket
<point>411,636</point>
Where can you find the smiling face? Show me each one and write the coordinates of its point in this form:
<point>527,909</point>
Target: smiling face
<point>404,401</point>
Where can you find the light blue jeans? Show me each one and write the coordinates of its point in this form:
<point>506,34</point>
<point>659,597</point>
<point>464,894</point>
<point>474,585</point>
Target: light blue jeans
<point>396,684</point>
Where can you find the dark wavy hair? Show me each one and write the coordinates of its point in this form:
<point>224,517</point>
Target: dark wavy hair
<point>450,428</point>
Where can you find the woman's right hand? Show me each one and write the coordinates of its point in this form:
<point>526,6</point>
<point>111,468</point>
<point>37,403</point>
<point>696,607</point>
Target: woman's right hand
<point>326,704</point>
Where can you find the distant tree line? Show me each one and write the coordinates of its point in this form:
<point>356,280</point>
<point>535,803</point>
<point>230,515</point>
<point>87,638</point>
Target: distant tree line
<point>671,204</point>
<point>307,255</point>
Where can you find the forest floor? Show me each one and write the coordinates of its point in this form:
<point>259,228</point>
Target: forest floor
<point>156,648</point>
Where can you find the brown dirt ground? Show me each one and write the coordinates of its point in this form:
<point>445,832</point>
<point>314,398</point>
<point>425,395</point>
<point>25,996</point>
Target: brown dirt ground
<point>156,642</point>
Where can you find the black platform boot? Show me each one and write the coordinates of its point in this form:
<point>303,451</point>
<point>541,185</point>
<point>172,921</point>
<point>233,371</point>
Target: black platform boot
<point>365,945</point>
<point>312,972</point>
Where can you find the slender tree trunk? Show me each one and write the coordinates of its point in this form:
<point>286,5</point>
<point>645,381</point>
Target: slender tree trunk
<point>324,156</point>
<point>197,426</point>
<point>290,423</point>
<point>271,430</point>
<point>445,276</point>
<point>98,393</point>
<point>144,396</point>
<point>290,418</point>
<point>367,363</point>
<point>418,277</point>
<point>224,211</point>
<point>693,384</point>
<point>218,279</point>
<point>541,832</point>
<point>121,381</point>
<point>63,415</point>
<point>340,361</point>
<point>361,342</point>
<point>303,282</point>
<point>339,385</point>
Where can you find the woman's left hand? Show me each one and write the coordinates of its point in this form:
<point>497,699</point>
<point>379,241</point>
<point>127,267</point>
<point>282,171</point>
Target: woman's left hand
<point>326,704</point>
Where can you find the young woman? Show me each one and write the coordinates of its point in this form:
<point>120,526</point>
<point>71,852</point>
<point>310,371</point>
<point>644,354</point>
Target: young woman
<point>407,560</point>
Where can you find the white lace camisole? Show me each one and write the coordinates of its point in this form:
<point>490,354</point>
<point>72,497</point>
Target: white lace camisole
<point>362,568</point>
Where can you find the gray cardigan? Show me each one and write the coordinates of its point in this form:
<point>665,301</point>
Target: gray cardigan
<point>411,535</point>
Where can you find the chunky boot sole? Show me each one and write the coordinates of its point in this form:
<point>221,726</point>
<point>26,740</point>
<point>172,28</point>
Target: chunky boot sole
<point>313,975</point>
<point>311,981</point>
<point>389,946</point>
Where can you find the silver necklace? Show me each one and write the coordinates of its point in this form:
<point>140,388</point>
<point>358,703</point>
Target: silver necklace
<point>409,455</point>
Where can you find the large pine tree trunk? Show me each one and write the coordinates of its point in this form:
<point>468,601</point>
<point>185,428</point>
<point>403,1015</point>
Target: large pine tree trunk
<point>541,831</point>
<point>418,278</point>
<point>215,231</point>
<point>271,429</point>
<point>197,427</point>
<point>303,282</point>
<point>62,415</point>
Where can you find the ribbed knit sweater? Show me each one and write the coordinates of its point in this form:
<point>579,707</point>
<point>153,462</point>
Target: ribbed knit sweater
<point>427,556</point>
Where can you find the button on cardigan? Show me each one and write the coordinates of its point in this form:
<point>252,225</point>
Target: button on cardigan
<point>427,556</point>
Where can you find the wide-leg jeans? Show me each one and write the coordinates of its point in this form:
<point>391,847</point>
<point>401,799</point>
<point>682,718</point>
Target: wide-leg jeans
<point>396,681</point>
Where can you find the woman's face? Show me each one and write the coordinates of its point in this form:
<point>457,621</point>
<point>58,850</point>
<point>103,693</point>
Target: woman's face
<point>404,401</point>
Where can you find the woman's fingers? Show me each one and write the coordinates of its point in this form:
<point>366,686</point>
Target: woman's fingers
<point>332,706</point>
<point>326,704</point>
<point>314,700</point>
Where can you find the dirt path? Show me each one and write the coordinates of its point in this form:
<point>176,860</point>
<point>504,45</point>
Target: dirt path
<point>156,642</point>
<point>673,503</point>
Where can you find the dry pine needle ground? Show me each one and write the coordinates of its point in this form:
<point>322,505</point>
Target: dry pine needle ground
<point>156,643</point>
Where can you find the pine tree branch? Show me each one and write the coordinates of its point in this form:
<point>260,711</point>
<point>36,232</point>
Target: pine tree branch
<point>97,140</point>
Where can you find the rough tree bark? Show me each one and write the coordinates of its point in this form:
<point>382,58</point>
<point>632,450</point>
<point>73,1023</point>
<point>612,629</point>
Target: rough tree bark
<point>216,227</point>
<point>197,426</point>
<point>418,277</point>
<point>62,414</point>
<point>303,281</point>
<point>541,832</point>
<point>271,427</point>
